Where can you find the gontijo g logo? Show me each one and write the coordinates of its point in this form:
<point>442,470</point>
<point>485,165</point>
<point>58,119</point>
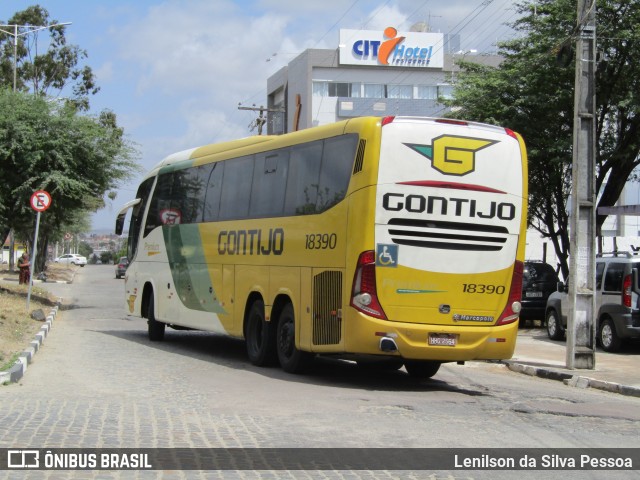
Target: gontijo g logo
<point>451,154</point>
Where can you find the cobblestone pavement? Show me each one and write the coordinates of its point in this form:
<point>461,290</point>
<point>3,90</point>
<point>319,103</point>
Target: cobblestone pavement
<point>99,383</point>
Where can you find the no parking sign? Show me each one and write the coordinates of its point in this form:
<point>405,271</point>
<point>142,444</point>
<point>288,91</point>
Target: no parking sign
<point>40,200</point>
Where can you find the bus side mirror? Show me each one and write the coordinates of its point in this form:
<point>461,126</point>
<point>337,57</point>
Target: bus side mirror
<point>562,288</point>
<point>120,224</point>
<point>123,214</point>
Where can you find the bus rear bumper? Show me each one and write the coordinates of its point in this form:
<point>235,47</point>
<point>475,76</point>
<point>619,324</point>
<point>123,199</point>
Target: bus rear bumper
<point>447,343</point>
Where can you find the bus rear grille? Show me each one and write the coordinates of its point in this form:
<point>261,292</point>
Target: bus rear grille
<point>448,235</point>
<point>327,302</point>
<point>357,166</point>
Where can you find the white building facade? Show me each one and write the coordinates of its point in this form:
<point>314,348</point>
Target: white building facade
<point>370,73</point>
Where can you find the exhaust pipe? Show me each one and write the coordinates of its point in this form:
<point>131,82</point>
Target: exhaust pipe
<point>388,345</point>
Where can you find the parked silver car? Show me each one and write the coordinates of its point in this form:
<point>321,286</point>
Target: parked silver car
<point>617,302</point>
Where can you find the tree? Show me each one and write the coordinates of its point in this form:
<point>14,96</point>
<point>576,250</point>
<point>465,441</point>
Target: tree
<point>85,249</point>
<point>532,92</point>
<point>48,71</point>
<point>47,146</point>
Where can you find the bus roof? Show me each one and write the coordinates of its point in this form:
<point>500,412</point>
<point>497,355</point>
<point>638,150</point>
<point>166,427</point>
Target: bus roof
<point>209,149</point>
<point>249,145</point>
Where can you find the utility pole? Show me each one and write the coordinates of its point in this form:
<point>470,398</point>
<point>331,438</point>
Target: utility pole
<point>581,324</point>
<point>261,120</point>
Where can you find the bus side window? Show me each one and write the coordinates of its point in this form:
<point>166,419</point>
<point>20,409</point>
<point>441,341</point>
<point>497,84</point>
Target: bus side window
<point>213,192</point>
<point>160,201</point>
<point>303,178</point>
<point>137,214</point>
<point>269,183</point>
<point>236,188</point>
<point>337,164</point>
<point>188,193</point>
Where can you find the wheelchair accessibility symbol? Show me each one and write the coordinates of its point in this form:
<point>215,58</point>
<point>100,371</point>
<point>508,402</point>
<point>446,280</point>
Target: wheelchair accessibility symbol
<point>386,255</point>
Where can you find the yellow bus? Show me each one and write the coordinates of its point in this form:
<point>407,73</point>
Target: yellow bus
<point>390,241</point>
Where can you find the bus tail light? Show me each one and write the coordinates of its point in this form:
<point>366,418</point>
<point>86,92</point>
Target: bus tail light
<point>364,295</point>
<point>451,121</point>
<point>626,291</point>
<point>512,311</point>
<point>387,120</point>
<point>511,133</point>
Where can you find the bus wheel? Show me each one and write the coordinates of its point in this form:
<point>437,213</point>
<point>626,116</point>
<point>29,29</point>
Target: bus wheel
<point>422,369</point>
<point>291,359</point>
<point>156,328</point>
<point>260,336</point>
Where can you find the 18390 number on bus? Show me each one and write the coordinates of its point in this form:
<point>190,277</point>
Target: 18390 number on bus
<point>321,241</point>
<point>482,288</point>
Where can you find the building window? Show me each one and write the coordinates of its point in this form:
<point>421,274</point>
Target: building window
<point>374,90</point>
<point>339,89</point>
<point>380,90</point>
<point>427,92</point>
<point>399,91</point>
<point>445,91</point>
<point>321,89</point>
<point>336,89</point>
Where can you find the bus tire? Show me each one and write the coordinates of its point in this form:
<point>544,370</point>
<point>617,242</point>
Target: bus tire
<point>291,359</point>
<point>156,329</point>
<point>260,336</point>
<point>422,368</point>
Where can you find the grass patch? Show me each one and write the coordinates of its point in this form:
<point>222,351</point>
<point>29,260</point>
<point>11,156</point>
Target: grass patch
<point>12,361</point>
<point>17,328</point>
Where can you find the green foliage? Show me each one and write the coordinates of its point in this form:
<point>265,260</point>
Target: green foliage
<point>85,249</point>
<point>121,253</point>
<point>532,92</point>
<point>44,142</point>
<point>76,158</point>
<point>106,257</point>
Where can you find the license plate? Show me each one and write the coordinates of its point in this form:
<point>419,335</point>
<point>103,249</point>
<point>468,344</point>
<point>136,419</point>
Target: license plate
<point>533,294</point>
<point>443,339</point>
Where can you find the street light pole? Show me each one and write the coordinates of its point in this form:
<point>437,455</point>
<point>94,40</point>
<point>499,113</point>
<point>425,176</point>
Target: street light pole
<point>15,34</point>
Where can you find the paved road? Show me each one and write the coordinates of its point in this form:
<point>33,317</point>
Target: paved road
<point>98,382</point>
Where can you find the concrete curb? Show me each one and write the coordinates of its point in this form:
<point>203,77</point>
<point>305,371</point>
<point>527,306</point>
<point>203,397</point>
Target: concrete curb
<point>572,380</point>
<point>15,373</point>
<point>40,281</point>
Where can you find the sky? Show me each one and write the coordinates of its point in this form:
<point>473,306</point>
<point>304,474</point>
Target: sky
<point>174,72</point>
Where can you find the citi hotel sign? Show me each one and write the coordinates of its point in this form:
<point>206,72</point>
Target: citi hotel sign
<point>391,48</point>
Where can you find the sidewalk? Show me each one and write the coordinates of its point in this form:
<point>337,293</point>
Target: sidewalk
<point>539,356</point>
